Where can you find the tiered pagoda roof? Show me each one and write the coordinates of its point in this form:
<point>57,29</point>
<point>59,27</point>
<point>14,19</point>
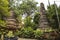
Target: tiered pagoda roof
<point>43,19</point>
<point>11,21</point>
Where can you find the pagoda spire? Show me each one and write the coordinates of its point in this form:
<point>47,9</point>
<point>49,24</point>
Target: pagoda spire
<point>43,18</point>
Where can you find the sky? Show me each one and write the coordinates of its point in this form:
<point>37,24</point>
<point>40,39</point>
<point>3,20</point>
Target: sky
<point>46,2</point>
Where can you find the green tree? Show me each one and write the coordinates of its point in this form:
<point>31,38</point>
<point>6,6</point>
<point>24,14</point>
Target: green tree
<point>4,8</point>
<point>28,22</point>
<point>52,17</point>
<point>36,19</point>
<point>28,7</point>
<point>4,12</point>
<point>25,7</point>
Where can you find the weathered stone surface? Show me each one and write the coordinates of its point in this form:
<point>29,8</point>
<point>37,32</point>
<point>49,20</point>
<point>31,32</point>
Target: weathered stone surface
<point>43,19</point>
<point>11,21</point>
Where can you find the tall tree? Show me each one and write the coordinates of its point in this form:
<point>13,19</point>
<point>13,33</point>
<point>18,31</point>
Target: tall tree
<point>25,7</point>
<point>28,7</point>
<point>4,9</point>
<point>51,13</point>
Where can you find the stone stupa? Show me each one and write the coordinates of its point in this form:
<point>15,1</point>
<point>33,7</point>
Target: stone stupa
<point>11,21</point>
<point>43,18</point>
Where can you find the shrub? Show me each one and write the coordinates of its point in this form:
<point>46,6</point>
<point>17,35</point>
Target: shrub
<point>38,33</point>
<point>10,34</point>
<point>48,30</point>
<point>26,32</point>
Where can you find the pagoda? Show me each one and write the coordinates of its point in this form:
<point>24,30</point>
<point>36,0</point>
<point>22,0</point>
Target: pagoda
<point>43,18</point>
<point>11,21</point>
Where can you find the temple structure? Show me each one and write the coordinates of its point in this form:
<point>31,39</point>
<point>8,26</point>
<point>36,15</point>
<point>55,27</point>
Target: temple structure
<point>11,21</point>
<point>43,19</point>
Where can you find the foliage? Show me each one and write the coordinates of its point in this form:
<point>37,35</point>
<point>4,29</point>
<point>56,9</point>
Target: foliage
<point>10,34</point>
<point>28,22</point>
<point>26,32</point>
<point>38,33</point>
<point>25,7</point>
<point>52,17</point>
<point>4,8</point>
<point>2,23</point>
<point>36,19</point>
<point>3,12</point>
<point>28,6</point>
<point>49,30</point>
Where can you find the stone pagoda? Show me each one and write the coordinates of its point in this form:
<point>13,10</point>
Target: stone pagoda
<point>43,19</point>
<point>11,21</point>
